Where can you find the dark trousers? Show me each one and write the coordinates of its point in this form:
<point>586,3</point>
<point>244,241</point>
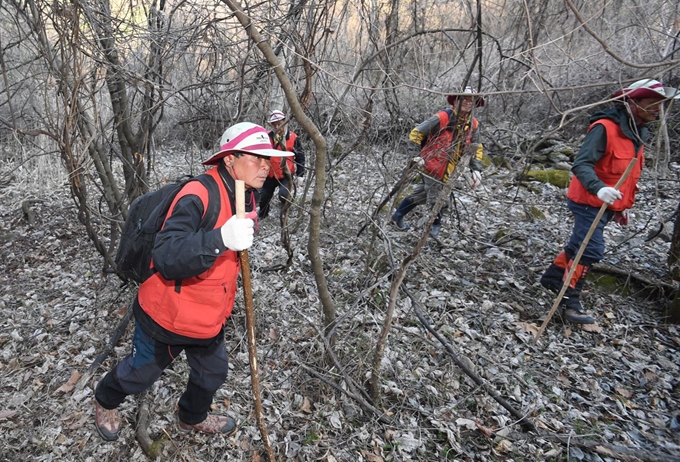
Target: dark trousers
<point>267,192</point>
<point>144,365</point>
<point>425,192</point>
<point>584,215</point>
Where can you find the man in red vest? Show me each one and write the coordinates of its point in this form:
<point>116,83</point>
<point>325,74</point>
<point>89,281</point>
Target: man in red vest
<point>184,305</point>
<point>443,139</point>
<point>283,168</point>
<point>615,136</point>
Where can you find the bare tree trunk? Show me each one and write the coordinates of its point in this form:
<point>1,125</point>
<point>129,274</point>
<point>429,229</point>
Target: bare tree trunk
<point>319,163</point>
<point>400,274</point>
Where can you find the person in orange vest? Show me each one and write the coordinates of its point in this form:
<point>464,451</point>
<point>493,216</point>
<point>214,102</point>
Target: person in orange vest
<point>185,304</point>
<point>284,169</point>
<point>443,139</point>
<point>614,137</point>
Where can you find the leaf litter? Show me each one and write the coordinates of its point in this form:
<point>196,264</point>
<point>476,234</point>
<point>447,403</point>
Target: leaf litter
<point>616,384</point>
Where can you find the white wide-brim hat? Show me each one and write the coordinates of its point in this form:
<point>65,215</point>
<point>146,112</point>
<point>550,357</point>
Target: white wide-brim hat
<point>647,88</point>
<point>246,137</point>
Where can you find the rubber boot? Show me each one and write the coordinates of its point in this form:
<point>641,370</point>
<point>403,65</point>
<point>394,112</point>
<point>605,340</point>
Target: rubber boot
<point>553,278</point>
<point>571,302</point>
<point>436,226</point>
<point>398,216</point>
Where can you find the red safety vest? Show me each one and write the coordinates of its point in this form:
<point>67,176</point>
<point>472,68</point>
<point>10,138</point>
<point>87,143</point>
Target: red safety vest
<point>277,162</point>
<point>618,154</point>
<point>437,151</point>
<point>195,307</point>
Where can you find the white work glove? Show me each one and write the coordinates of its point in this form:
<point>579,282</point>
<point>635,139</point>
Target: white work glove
<point>475,179</point>
<point>608,195</point>
<point>237,233</point>
<point>418,160</point>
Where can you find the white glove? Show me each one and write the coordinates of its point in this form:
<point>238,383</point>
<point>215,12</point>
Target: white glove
<point>475,179</point>
<point>418,160</point>
<point>608,195</point>
<point>237,233</point>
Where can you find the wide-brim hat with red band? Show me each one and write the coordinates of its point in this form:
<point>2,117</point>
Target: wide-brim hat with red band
<point>246,137</point>
<point>647,88</point>
<point>468,91</point>
<point>276,115</point>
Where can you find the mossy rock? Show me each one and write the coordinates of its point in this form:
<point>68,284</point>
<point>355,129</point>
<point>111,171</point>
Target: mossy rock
<point>500,234</point>
<point>500,162</point>
<point>559,178</point>
<point>609,284</point>
<point>534,213</point>
<point>486,161</point>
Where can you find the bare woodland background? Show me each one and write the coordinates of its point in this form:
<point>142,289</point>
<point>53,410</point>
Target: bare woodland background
<point>101,101</point>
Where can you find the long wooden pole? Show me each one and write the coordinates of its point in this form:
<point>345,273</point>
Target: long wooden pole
<point>577,258</point>
<point>240,193</point>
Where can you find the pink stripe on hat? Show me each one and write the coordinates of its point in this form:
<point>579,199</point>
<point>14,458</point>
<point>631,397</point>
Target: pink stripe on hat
<point>233,143</point>
<point>249,138</point>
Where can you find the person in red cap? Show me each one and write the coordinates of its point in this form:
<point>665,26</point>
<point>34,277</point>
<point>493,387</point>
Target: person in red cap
<point>184,305</point>
<point>443,139</point>
<point>615,136</point>
<point>283,168</point>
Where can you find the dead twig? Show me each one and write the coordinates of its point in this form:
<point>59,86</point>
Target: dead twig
<point>614,451</point>
<point>521,417</point>
<point>115,337</point>
<point>250,327</point>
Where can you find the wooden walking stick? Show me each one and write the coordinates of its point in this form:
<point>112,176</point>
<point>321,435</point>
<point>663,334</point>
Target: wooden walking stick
<point>250,325</point>
<point>577,258</point>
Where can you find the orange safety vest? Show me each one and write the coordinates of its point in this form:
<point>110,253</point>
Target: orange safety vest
<point>619,152</point>
<point>437,151</point>
<point>276,171</point>
<point>195,307</point>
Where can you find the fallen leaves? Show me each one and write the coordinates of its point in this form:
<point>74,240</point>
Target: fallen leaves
<point>5,414</point>
<point>489,309</point>
<point>595,328</point>
<point>70,384</point>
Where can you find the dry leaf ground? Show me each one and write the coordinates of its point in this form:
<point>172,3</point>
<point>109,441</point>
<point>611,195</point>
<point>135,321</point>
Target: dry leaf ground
<point>616,386</point>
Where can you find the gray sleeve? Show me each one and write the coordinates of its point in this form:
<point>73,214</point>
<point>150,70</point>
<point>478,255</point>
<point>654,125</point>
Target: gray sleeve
<point>591,151</point>
<point>429,126</point>
<point>182,249</point>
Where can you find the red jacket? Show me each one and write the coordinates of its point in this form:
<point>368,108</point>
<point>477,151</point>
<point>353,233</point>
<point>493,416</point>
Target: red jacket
<point>277,162</point>
<point>618,154</point>
<point>195,307</point>
<point>438,149</point>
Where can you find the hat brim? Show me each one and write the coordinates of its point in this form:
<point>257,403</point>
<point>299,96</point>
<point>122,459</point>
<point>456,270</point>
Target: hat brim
<point>479,101</point>
<point>643,93</point>
<point>215,159</point>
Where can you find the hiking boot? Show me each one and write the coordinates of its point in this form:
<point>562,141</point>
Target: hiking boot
<point>436,227</point>
<point>398,220</point>
<point>574,312</point>
<point>212,424</point>
<point>106,421</point>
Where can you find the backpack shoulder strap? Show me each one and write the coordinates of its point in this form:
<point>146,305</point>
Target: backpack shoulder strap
<point>205,187</point>
<point>212,211</point>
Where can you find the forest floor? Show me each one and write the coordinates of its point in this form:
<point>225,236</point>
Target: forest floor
<point>603,394</point>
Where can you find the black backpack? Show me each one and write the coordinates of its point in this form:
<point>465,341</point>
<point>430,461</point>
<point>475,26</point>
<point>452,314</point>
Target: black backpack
<point>146,216</point>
